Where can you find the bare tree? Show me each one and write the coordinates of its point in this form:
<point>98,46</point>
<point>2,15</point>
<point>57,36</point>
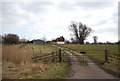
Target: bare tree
<point>95,39</point>
<point>44,39</point>
<point>80,31</point>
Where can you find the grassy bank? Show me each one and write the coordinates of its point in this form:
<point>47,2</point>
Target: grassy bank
<point>17,63</point>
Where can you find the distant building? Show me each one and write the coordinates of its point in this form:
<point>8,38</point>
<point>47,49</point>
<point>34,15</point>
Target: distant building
<point>38,41</point>
<point>59,40</point>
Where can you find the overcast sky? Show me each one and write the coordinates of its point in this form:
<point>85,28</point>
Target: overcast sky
<point>35,19</point>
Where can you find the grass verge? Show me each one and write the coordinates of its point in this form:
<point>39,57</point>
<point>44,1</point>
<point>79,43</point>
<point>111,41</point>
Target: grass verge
<point>83,63</point>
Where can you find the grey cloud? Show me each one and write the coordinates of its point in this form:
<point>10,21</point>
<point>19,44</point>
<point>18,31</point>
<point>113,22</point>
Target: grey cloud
<point>64,6</point>
<point>9,8</point>
<point>34,7</point>
<point>83,5</point>
<point>37,7</point>
<point>115,17</point>
<point>113,30</point>
<point>93,5</point>
<point>101,22</point>
<point>12,12</point>
<point>11,15</point>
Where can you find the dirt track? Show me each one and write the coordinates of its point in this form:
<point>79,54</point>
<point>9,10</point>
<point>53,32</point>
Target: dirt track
<point>92,71</point>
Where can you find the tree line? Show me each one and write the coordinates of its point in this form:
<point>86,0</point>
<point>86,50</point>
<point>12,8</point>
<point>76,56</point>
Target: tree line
<point>11,39</point>
<point>80,32</point>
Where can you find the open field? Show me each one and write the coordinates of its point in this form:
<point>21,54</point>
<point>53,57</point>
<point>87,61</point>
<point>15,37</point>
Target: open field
<point>97,54</point>
<point>87,47</point>
<point>17,63</point>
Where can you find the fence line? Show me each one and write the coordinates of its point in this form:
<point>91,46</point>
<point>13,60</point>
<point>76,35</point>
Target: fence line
<point>111,58</point>
<point>58,56</point>
<point>50,57</point>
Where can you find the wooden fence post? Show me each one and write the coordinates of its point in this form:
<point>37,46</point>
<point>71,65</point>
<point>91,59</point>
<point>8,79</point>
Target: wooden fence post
<point>53,57</point>
<point>60,56</point>
<point>106,55</point>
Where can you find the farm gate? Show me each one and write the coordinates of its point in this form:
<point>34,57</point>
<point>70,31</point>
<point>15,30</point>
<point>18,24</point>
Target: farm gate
<point>55,56</point>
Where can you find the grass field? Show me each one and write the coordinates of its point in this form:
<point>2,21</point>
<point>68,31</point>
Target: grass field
<point>17,63</point>
<point>78,48</point>
<point>97,54</point>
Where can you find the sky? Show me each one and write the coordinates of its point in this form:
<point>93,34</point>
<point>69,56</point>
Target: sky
<point>37,19</point>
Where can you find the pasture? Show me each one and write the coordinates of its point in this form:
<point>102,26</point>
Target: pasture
<point>17,63</point>
<point>97,54</point>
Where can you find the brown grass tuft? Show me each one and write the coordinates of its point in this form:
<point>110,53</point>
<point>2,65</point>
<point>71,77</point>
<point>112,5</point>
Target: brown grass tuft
<point>16,55</point>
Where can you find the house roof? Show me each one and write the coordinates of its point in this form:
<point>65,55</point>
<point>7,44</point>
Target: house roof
<point>59,39</point>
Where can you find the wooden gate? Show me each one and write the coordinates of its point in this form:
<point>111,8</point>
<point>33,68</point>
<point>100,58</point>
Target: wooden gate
<point>57,56</point>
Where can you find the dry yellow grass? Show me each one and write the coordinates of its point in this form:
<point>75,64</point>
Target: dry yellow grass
<point>33,71</point>
<point>40,49</point>
<point>12,71</point>
<point>22,54</point>
<point>17,63</point>
<point>16,55</point>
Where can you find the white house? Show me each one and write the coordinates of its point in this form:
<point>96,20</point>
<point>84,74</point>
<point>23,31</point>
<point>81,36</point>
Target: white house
<point>60,42</point>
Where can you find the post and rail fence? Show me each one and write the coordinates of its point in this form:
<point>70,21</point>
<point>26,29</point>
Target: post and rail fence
<point>61,56</point>
<point>55,56</point>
